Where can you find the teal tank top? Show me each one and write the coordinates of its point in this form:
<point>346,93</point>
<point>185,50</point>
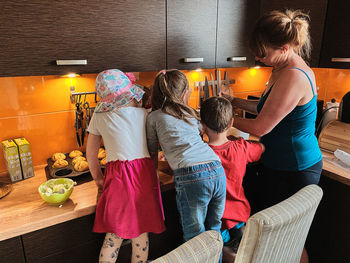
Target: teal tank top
<point>292,144</point>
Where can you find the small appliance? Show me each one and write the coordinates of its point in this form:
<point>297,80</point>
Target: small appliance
<point>344,108</point>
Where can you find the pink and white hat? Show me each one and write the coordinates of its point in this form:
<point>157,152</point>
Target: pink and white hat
<point>116,89</point>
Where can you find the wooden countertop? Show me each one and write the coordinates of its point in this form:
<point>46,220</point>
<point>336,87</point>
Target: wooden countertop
<point>333,171</point>
<point>23,210</point>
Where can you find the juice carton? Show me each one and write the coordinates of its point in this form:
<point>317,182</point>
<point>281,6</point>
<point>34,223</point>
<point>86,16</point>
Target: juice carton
<point>25,157</point>
<point>11,155</point>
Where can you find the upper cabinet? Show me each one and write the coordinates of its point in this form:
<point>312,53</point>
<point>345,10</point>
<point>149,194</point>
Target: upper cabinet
<point>191,33</point>
<point>317,11</point>
<point>336,41</point>
<point>236,21</point>
<point>129,35</point>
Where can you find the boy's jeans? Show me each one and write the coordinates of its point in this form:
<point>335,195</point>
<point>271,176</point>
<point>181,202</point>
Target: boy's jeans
<point>200,197</point>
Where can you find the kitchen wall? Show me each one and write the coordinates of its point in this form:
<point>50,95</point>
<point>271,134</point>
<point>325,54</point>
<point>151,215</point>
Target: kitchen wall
<point>39,107</point>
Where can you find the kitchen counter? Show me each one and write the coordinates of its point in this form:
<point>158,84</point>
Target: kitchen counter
<point>23,210</point>
<point>333,171</point>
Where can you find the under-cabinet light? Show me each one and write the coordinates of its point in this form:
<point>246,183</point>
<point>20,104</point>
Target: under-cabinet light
<point>71,75</point>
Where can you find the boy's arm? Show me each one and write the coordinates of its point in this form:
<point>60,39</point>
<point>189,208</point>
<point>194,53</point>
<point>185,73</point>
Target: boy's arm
<point>93,144</point>
<point>254,149</point>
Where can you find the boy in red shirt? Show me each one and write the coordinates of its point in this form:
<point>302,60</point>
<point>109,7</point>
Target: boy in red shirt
<point>216,117</point>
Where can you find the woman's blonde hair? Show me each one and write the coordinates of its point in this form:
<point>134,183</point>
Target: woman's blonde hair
<point>277,28</point>
<point>167,94</point>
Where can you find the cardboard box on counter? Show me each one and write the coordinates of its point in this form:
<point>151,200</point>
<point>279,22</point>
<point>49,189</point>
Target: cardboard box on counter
<point>11,155</point>
<point>25,157</point>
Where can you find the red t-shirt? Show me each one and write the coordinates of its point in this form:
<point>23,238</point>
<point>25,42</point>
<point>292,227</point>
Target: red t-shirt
<point>234,156</point>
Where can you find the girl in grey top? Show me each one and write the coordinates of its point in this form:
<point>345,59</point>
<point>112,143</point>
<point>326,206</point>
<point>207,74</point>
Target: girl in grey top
<point>199,177</point>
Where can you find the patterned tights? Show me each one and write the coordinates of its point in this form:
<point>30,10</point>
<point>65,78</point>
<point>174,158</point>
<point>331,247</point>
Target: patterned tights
<point>111,245</point>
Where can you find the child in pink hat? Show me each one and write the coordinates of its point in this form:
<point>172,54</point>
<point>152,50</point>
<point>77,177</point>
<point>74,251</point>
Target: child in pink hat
<point>129,205</point>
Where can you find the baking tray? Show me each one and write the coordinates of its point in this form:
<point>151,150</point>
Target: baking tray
<point>67,171</point>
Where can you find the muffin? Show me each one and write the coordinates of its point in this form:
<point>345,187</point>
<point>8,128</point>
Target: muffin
<point>101,153</point>
<point>58,156</point>
<point>75,153</point>
<point>103,161</point>
<point>60,163</point>
<point>81,166</point>
<point>78,159</point>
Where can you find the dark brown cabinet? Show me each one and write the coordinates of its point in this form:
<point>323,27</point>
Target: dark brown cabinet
<point>328,238</point>
<point>317,11</point>
<point>235,23</point>
<point>191,34</point>
<point>129,35</point>
<point>11,251</point>
<point>336,41</point>
<point>71,241</point>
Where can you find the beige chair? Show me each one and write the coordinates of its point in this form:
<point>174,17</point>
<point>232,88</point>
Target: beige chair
<point>204,248</point>
<point>278,233</point>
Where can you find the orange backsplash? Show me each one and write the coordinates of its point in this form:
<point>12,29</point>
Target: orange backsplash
<point>39,107</point>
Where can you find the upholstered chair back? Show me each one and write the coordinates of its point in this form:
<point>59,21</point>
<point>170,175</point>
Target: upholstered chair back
<point>278,234</point>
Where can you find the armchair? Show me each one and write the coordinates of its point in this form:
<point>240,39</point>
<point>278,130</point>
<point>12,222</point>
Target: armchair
<point>277,234</point>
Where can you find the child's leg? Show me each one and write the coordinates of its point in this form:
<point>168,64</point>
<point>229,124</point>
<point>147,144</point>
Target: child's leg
<point>216,205</point>
<point>110,248</point>
<point>192,201</point>
<point>140,246</point>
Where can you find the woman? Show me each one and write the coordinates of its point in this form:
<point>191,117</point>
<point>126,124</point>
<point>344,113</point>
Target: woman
<point>287,109</point>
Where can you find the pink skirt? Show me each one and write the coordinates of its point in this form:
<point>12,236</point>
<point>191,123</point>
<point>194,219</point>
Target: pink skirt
<point>131,203</point>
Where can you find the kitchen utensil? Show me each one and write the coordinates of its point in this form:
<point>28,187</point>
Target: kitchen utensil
<point>200,89</point>
<point>213,84</point>
<point>81,120</point>
<point>77,122</point>
<point>218,78</point>
<point>67,171</point>
<point>206,88</point>
<point>227,83</point>
<point>87,114</point>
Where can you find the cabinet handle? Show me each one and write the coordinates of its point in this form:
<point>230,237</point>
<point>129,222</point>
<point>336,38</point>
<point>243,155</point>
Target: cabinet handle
<point>340,59</point>
<point>234,59</point>
<point>76,62</point>
<point>193,60</point>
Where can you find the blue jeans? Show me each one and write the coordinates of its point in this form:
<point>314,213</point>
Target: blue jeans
<point>200,197</point>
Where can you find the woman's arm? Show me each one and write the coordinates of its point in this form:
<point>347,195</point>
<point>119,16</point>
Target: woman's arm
<point>247,105</point>
<point>93,144</point>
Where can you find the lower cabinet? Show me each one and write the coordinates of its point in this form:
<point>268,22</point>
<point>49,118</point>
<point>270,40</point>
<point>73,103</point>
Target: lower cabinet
<point>71,241</point>
<point>328,238</point>
<point>11,251</point>
<point>74,241</point>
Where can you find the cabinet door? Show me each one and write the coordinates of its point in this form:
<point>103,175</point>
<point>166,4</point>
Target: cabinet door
<point>11,251</point>
<point>191,33</point>
<point>71,241</point>
<point>236,20</point>
<point>336,42</point>
<point>317,11</point>
<point>129,35</point>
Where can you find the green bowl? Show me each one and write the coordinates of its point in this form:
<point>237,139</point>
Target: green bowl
<point>56,191</point>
